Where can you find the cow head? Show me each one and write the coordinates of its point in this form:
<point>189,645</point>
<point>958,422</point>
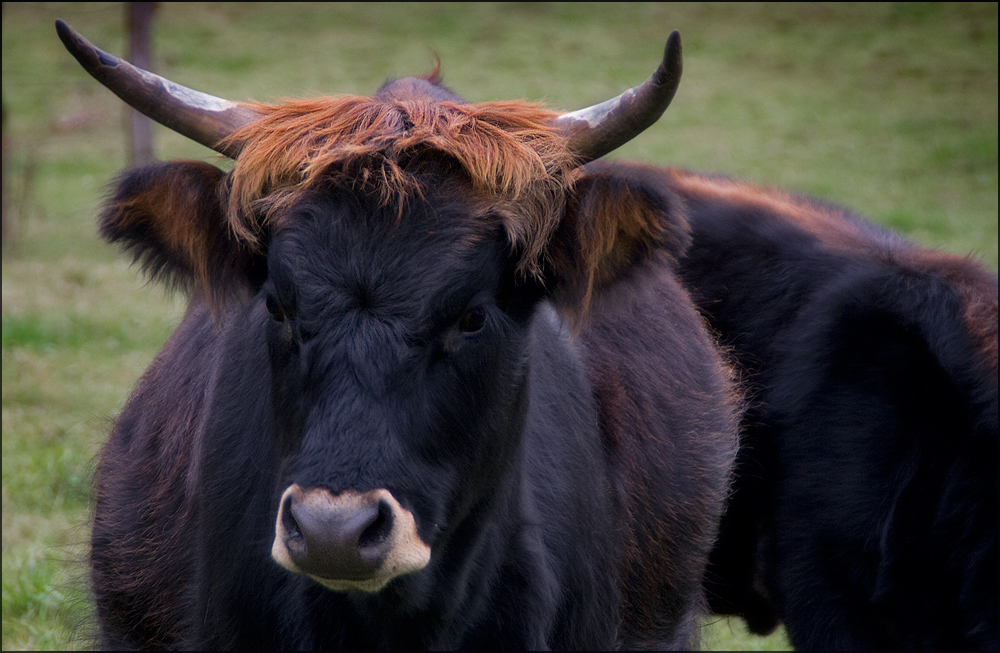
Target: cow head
<point>395,251</point>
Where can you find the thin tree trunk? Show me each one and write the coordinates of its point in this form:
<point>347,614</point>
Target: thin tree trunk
<point>140,19</point>
<point>3,178</point>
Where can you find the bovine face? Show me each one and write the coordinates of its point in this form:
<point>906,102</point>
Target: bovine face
<point>398,350</point>
<point>397,329</point>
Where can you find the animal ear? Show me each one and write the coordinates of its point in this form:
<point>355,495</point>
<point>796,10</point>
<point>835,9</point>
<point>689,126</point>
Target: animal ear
<point>618,216</point>
<point>170,217</point>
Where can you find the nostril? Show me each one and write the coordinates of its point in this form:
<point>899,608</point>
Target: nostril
<point>292,531</point>
<point>378,531</point>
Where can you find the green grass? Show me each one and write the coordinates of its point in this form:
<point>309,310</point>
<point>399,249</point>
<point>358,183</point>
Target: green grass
<point>888,109</point>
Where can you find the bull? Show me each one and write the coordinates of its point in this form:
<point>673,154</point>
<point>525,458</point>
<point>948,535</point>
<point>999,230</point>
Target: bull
<point>437,385</point>
<point>864,510</point>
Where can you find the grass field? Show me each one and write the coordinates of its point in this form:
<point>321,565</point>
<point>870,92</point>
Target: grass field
<point>889,109</point>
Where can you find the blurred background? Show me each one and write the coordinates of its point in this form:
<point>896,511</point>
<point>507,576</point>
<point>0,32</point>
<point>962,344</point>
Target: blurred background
<point>890,109</point>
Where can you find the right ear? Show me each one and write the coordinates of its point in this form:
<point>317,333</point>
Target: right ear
<point>171,218</point>
<point>618,216</point>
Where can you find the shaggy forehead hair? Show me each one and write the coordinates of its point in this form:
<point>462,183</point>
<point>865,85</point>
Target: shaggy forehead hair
<point>512,156</point>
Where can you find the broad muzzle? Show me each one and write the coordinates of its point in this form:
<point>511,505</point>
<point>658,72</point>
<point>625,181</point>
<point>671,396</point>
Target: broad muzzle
<point>349,540</point>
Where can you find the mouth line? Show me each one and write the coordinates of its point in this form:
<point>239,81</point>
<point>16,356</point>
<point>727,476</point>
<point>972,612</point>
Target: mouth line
<point>369,585</point>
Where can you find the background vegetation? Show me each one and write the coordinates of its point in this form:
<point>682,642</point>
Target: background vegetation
<point>889,109</point>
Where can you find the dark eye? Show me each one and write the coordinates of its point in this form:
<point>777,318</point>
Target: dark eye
<point>473,321</point>
<point>274,309</point>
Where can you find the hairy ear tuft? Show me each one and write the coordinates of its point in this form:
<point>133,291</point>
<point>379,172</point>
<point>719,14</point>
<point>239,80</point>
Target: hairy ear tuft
<point>618,216</point>
<point>170,217</point>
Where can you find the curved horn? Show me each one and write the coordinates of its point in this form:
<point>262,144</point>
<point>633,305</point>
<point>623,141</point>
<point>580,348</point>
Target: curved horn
<point>597,130</point>
<point>201,117</point>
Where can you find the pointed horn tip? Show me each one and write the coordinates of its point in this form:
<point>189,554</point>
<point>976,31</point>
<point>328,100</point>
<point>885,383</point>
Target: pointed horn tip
<point>62,28</point>
<point>86,53</point>
<point>69,36</point>
<point>673,47</point>
<point>673,60</point>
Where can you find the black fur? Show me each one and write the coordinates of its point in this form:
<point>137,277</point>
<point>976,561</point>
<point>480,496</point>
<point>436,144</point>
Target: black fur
<point>569,483</point>
<point>864,514</point>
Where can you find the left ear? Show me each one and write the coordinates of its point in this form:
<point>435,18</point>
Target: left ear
<point>617,217</point>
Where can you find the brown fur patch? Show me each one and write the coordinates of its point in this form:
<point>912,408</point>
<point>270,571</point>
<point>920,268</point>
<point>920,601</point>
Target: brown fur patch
<point>169,208</point>
<point>977,290</point>
<point>170,216</point>
<point>616,216</point>
<point>827,224</point>
<point>509,150</point>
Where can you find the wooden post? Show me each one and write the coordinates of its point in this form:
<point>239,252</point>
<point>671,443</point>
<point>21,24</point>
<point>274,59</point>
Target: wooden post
<point>139,21</point>
<point>3,179</point>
